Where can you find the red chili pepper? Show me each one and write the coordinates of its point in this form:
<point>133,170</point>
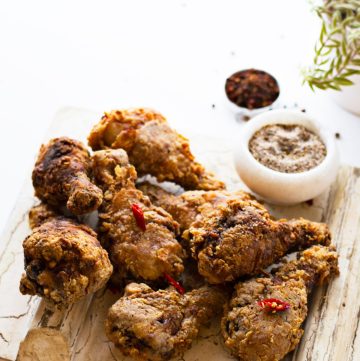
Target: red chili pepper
<point>273,305</point>
<point>174,283</point>
<point>139,216</point>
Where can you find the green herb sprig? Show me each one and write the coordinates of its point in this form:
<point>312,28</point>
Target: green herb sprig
<point>337,52</point>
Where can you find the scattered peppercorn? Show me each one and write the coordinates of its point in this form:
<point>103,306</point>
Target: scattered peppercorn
<point>310,202</point>
<point>252,89</point>
<point>303,110</point>
<point>213,106</point>
<point>337,135</point>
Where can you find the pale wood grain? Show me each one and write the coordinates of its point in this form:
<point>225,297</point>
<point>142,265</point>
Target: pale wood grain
<point>330,330</point>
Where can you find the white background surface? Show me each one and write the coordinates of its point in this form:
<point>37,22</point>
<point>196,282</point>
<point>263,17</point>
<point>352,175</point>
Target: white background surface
<point>171,55</point>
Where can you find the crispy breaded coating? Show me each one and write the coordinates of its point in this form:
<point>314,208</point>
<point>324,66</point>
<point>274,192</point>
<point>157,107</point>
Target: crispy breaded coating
<point>158,325</point>
<point>153,147</point>
<point>64,262</point>
<point>189,206</point>
<point>143,254</point>
<point>240,238</point>
<point>61,176</point>
<point>254,334</point>
<point>40,214</point>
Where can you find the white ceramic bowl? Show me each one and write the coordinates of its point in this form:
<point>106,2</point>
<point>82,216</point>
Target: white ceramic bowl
<point>285,188</point>
<point>348,97</point>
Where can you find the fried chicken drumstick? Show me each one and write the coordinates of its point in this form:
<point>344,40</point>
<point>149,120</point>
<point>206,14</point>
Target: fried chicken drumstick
<point>158,325</point>
<point>61,176</point>
<point>153,147</point>
<point>240,238</point>
<point>231,234</point>
<point>253,333</point>
<point>145,250</point>
<point>64,261</point>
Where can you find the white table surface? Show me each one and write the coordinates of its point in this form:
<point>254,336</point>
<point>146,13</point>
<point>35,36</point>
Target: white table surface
<point>172,55</point>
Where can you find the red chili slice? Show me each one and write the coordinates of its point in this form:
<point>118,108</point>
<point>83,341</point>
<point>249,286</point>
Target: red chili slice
<point>273,305</point>
<point>174,283</point>
<point>139,216</point>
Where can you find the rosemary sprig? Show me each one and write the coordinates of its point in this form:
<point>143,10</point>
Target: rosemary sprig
<point>337,52</point>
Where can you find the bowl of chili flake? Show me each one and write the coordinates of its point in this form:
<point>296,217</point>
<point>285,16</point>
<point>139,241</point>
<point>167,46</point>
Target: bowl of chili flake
<point>252,89</point>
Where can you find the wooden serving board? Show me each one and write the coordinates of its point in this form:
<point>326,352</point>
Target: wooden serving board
<point>331,329</point>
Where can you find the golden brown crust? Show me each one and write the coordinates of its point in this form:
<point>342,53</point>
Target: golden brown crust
<point>61,176</point>
<point>141,254</point>
<point>153,147</point>
<point>64,262</point>
<point>106,134</point>
<point>158,325</point>
<point>189,206</point>
<point>253,334</point>
<point>40,214</point>
<point>240,238</point>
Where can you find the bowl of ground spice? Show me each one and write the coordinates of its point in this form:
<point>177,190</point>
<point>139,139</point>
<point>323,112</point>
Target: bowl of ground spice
<point>286,157</point>
<point>252,90</point>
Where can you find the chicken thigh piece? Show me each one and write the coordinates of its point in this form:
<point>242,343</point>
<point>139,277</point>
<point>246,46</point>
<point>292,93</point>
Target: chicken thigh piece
<point>153,147</point>
<point>61,176</point>
<point>264,317</point>
<point>64,261</point>
<point>240,238</point>
<point>158,325</point>
<point>140,238</point>
<point>189,207</point>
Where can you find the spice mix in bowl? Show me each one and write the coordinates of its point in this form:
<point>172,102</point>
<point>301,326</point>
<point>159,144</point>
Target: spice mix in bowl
<point>287,148</point>
<point>285,157</point>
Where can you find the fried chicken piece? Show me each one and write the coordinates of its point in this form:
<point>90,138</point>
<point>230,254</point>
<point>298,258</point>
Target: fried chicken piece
<point>158,325</point>
<point>153,147</point>
<point>189,206</point>
<point>61,176</point>
<point>240,238</point>
<point>64,261</point>
<point>254,334</point>
<point>40,214</point>
<point>141,253</point>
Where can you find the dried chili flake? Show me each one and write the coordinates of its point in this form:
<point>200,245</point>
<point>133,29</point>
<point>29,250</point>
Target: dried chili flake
<point>252,89</point>
<point>174,283</point>
<point>139,216</point>
<point>273,305</point>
